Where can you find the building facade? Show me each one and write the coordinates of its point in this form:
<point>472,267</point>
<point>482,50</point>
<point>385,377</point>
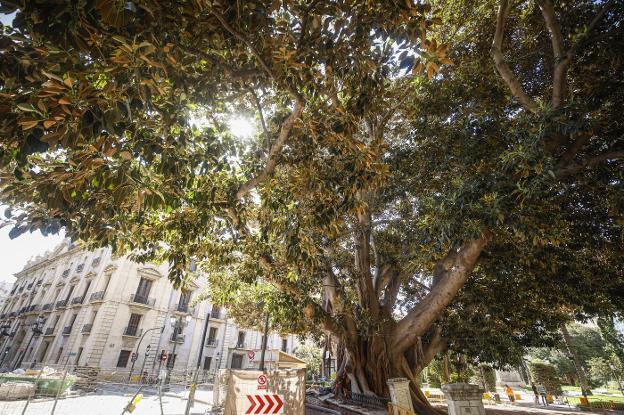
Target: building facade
<point>5,290</point>
<point>89,308</point>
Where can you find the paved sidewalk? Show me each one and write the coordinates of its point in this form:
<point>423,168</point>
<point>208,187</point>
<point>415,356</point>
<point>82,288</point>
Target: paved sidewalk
<point>109,404</point>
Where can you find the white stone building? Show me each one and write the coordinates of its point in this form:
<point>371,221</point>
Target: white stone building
<point>97,308</point>
<point>5,290</point>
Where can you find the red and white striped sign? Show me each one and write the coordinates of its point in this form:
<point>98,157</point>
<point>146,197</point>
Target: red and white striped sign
<point>265,404</point>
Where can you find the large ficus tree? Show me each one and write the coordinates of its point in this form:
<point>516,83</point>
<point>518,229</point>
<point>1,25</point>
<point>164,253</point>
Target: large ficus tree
<point>402,204</point>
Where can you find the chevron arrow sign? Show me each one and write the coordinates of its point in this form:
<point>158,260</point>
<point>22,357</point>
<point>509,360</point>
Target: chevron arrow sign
<point>265,404</point>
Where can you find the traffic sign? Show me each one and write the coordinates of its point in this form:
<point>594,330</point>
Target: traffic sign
<point>251,354</point>
<point>262,380</point>
<point>265,404</point>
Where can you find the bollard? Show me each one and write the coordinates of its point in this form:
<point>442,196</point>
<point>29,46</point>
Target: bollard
<point>160,398</point>
<point>135,399</point>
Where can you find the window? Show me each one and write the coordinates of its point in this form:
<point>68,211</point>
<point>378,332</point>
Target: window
<point>71,290</point>
<point>58,356</point>
<point>79,268</point>
<point>66,273</point>
<point>133,324</point>
<point>185,298</point>
<point>212,336</point>
<point>171,360</point>
<point>284,345</point>
<point>237,361</point>
<point>124,356</point>
<point>207,361</point>
<point>143,290</point>
<point>72,320</point>
<point>86,290</point>
<point>95,262</point>
<point>216,312</point>
<point>241,339</point>
<point>78,356</point>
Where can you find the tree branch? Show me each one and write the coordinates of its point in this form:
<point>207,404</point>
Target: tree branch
<point>274,152</point>
<point>362,244</point>
<point>562,59</point>
<point>499,61</point>
<point>265,130</point>
<point>255,53</point>
<point>391,291</point>
<point>451,274</point>
<point>576,167</point>
<point>436,344</point>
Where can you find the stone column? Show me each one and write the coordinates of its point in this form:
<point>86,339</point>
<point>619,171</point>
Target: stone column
<point>400,393</point>
<point>464,399</point>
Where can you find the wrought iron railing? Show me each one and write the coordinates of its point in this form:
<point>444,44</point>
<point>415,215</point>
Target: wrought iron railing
<point>86,328</point>
<point>368,401</point>
<point>67,330</point>
<point>78,300</point>
<point>61,303</point>
<point>141,299</point>
<point>132,331</point>
<point>98,296</point>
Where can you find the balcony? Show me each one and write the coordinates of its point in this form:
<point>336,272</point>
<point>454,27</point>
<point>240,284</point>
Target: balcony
<point>211,343</point>
<point>23,310</point>
<point>29,286</point>
<point>216,314</point>
<point>61,303</point>
<point>241,345</point>
<point>86,328</point>
<point>177,338</point>
<point>79,268</point>
<point>13,314</point>
<point>77,300</point>
<point>49,331</point>
<point>184,308</point>
<point>67,330</point>
<point>65,273</point>
<point>98,296</point>
<point>33,308</point>
<point>47,307</point>
<point>140,299</point>
<point>132,331</point>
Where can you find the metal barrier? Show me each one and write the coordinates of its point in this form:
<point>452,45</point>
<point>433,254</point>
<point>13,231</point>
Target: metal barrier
<point>366,400</point>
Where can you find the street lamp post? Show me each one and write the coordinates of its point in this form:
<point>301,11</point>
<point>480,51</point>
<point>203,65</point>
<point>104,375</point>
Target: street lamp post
<point>137,350</point>
<point>177,324</point>
<point>36,329</point>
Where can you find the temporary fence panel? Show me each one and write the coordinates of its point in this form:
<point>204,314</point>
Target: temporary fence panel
<point>264,393</point>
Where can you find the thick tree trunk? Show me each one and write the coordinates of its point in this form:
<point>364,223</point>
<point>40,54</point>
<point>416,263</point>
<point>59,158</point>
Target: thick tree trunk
<point>371,363</point>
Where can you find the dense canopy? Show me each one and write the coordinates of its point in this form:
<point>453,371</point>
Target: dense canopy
<point>420,178</point>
